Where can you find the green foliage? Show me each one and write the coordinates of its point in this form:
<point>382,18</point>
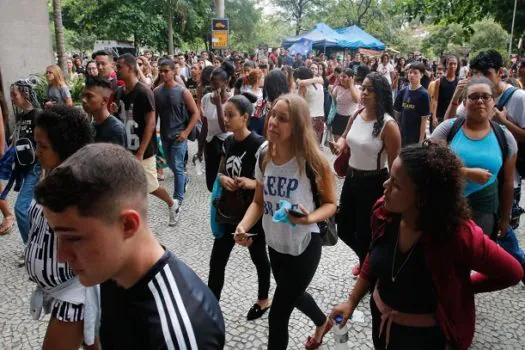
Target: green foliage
<point>488,33</point>
<point>76,86</point>
<point>443,38</point>
<point>465,12</point>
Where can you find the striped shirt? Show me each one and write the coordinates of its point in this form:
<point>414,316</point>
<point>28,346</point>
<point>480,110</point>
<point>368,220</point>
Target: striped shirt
<point>42,264</point>
<point>168,308</point>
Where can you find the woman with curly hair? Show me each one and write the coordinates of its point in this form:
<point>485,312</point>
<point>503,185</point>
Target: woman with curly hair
<point>373,139</point>
<point>60,131</point>
<point>424,247</point>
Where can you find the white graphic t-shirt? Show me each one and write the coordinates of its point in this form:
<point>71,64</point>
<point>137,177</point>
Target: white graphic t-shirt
<point>288,183</point>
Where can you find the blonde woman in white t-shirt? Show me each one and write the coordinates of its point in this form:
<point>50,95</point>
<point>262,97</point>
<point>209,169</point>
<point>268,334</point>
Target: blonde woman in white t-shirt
<point>374,141</point>
<point>295,250</point>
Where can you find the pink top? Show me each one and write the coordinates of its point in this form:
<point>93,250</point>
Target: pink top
<point>343,99</point>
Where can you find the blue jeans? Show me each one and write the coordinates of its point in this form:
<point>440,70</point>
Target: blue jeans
<point>175,153</point>
<point>23,201</point>
<point>511,245</point>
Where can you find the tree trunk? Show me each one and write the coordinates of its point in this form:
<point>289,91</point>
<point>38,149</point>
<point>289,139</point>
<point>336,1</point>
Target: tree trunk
<point>59,35</point>
<point>170,29</point>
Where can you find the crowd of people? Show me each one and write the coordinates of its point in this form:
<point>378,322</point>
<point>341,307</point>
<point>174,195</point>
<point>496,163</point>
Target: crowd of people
<point>431,216</point>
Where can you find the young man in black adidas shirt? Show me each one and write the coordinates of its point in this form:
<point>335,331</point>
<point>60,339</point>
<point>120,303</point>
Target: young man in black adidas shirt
<point>137,111</point>
<point>95,99</point>
<point>149,298</point>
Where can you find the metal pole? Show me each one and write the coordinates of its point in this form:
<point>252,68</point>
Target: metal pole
<point>512,28</point>
<point>219,8</point>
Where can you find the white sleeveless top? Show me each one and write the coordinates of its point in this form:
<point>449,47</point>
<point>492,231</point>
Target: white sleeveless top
<point>364,148</point>
<point>315,99</point>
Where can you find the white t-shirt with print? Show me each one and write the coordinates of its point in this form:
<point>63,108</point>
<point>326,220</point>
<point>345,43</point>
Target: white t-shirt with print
<point>288,183</point>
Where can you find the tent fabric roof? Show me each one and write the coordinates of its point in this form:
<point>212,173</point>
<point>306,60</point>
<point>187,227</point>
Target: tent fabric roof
<point>321,35</point>
<point>355,38</point>
<point>352,37</point>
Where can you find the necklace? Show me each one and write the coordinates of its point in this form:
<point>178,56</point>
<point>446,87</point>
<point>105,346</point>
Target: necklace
<point>394,277</point>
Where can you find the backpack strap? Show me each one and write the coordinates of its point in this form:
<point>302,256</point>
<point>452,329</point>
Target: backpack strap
<point>458,123</point>
<point>505,97</point>
<point>262,154</point>
<point>502,140</point>
<point>310,174</point>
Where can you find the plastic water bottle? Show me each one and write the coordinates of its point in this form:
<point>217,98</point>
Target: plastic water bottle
<point>340,334</point>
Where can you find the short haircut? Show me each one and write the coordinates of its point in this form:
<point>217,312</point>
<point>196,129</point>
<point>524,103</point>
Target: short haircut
<point>303,73</point>
<point>486,60</point>
<point>249,64</point>
<point>103,53</point>
<point>98,82</point>
<point>418,66</point>
<point>88,181</point>
<point>338,70</point>
<point>130,60</point>
<point>67,128</point>
<point>441,68</point>
<point>167,62</point>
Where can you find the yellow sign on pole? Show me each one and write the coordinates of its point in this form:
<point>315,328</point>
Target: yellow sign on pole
<point>219,39</point>
<point>220,33</point>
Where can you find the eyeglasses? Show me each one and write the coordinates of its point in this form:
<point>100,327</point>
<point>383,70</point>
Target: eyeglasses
<point>476,97</point>
<point>367,88</point>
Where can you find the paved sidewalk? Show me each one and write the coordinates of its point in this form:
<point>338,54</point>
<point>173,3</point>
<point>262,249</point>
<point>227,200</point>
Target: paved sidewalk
<point>500,315</point>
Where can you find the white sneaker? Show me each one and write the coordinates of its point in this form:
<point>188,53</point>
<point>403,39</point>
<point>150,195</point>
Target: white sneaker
<point>174,213</point>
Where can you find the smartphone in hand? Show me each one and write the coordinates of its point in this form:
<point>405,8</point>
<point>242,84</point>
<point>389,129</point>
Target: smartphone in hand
<point>296,213</point>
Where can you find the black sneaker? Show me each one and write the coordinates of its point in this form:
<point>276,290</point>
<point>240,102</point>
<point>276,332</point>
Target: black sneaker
<point>256,312</point>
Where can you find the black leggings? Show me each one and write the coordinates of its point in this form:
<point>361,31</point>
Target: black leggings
<point>293,274</point>
<point>212,158</point>
<point>358,196</point>
<point>220,254</point>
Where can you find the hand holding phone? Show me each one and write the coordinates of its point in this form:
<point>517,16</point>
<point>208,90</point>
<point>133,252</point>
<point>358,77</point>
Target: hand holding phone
<point>296,213</point>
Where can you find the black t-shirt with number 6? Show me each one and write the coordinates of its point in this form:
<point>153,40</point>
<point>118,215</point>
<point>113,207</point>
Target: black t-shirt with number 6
<point>133,107</point>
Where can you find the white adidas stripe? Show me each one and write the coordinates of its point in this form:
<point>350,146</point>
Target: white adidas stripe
<point>162,314</point>
<point>181,308</point>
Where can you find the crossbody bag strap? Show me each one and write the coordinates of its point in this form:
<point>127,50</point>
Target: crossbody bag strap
<point>311,177</point>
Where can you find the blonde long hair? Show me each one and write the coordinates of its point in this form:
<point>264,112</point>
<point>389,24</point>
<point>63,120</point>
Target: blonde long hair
<point>146,66</point>
<point>304,140</point>
<point>59,80</point>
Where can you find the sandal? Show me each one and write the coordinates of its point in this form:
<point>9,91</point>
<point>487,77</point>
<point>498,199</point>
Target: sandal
<point>256,312</point>
<point>7,225</point>
<point>312,344</point>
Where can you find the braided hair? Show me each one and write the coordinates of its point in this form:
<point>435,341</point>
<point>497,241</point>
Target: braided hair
<point>384,100</point>
<point>25,87</point>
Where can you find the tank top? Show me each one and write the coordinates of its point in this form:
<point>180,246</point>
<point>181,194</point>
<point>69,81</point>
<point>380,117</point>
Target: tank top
<point>365,148</point>
<point>315,98</point>
<point>446,91</point>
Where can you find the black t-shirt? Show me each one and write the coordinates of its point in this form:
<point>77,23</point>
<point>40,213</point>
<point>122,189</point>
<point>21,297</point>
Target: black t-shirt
<point>240,157</point>
<point>26,124</point>
<point>133,108</point>
<point>167,307</point>
<point>446,91</point>
<point>354,65</point>
<point>413,105</point>
<point>425,81</point>
<point>193,86</point>
<point>413,290</point>
<point>111,130</point>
